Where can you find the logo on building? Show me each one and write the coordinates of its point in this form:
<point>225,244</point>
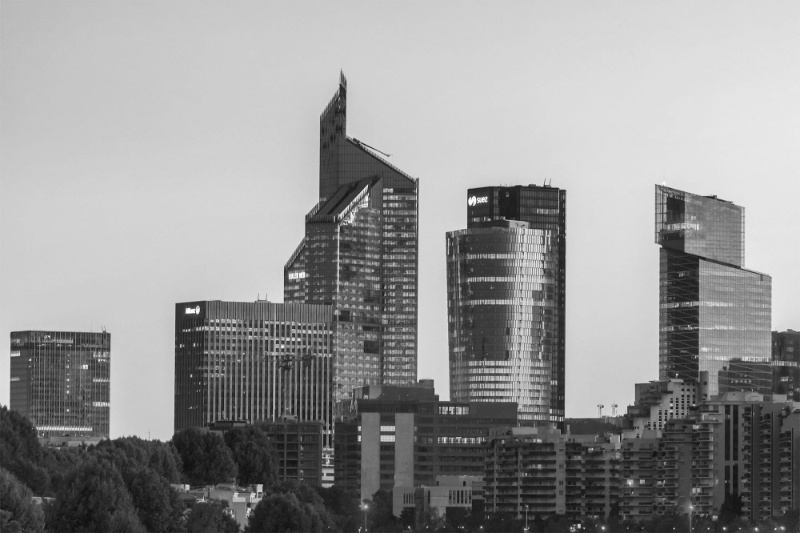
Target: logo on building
<point>193,310</point>
<point>475,200</point>
<point>297,275</point>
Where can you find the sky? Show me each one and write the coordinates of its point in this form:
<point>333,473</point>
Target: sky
<point>161,152</point>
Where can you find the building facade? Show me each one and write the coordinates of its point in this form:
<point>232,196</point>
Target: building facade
<point>398,438</point>
<point>60,380</point>
<point>253,361</point>
<point>298,447</point>
<point>541,472</point>
<point>506,288</point>
<point>786,363</point>
<point>360,255</point>
<point>714,314</point>
<point>657,402</point>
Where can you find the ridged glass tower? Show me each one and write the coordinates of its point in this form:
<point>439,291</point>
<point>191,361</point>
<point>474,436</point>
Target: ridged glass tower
<point>506,284</point>
<point>714,317</point>
<point>360,255</point>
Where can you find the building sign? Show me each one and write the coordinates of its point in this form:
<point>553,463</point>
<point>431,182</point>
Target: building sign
<point>297,275</point>
<point>193,310</point>
<point>477,200</point>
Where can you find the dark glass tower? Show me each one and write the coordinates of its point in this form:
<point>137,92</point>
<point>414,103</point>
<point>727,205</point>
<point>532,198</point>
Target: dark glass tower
<point>714,318</point>
<point>60,381</point>
<point>359,254</point>
<point>506,284</point>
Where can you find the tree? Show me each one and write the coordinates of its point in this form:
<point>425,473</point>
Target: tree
<point>94,498</point>
<point>281,513</point>
<point>157,504</point>
<point>210,517</point>
<point>253,455</point>
<point>17,511</point>
<point>206,459</point>
<point>380,515</point>
<point>731,509</point>
<point>343,507</point>
<point>20,451</point>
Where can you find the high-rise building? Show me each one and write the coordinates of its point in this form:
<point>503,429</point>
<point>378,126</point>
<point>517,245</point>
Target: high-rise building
<point>714,317</point>
<point>359,255</point>
<point>60,381</point>
<point>506,282</point>
<point>253,361</point>
<point>786,363</point>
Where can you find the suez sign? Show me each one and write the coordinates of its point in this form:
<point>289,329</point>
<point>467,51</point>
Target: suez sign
<point>193,310</point>
<point>297,275</point>
<point>477,200</point>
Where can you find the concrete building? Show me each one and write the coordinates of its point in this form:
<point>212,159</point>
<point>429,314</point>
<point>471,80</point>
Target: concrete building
<point>450,492</point>
<point>638,476</point>
<point>390,436</point>
<point>60,381</point>
<point>542,472</point>
<point>298,446</point>
<point>786,364</point>
<point>657,402</point>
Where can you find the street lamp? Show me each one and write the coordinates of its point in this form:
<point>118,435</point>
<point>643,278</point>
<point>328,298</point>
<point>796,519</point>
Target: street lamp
<point>526,518</point>
<point>365,517</point>
<point>690,517</point>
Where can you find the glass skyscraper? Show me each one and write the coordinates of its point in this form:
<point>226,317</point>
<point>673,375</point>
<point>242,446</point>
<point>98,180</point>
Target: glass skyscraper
<point>252,361</point>
<point>714,317</point>
<point>506,283</point>
<point>359,255</point>
<point>60,380</point>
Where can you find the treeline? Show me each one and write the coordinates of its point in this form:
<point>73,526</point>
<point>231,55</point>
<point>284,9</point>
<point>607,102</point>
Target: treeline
<point>123,485</point>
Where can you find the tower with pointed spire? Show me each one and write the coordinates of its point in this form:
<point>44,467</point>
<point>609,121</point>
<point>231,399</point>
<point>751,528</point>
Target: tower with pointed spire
<point>360,255</point>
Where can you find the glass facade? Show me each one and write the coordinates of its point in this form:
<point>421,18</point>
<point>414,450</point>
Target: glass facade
<point>714,319</point>
<point>252,361</point>
<point>506,293</point>
<point>360,255</point>
<point>61,381</point>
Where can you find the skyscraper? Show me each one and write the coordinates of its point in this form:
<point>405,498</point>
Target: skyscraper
<point>60,381</point>
<point>252,361</point>
<point>359,255</point>
<point>714,316</point>
<point>506,283</point>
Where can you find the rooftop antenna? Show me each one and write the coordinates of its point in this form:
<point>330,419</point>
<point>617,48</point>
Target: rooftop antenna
<point>104,328</point>
<point>600,410</point>
<point>614,409</point>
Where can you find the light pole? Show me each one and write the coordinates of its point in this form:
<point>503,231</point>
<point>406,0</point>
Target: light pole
<point>365,517</point>
<point>690,517</point>
<point>526,518</point>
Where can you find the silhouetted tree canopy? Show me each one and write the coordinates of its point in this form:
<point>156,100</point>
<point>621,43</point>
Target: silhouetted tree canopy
<point>206,459</point>
<point>17,511</point>
<point>253,455</point>
<point>20,451</point>
<point>209,517</point>
<point>94,498</point>
<point>283,513</point>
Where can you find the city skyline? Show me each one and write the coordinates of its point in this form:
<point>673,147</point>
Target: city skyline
<point>146,151</point>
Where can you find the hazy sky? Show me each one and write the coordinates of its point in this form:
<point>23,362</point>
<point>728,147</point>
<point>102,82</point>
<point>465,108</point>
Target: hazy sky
<point>161,152</point>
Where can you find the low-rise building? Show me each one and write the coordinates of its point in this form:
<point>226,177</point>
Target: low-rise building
<point>404,436</point>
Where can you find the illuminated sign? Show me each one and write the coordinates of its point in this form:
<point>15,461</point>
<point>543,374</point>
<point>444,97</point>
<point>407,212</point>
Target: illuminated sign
<point>193,310</point>
<point>297,275</point>
<point>476,200</point>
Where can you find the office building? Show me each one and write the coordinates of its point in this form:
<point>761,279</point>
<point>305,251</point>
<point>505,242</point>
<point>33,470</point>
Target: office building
<point>506,280</point>
<point>298,448</point>
<point>541,472</point>
<point>401,437</point>
<point>360,255</point>
<point>60,380</point>
<point>714,314</point>
<point>253,361</point>
<point>450,492</point>
<point>786,363</point>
